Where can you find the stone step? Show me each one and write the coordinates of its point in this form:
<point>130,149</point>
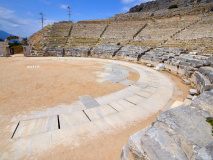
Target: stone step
<point>208,72</point>
<point>36,126</point>
<point>202,82</point>
<point>99,112</point>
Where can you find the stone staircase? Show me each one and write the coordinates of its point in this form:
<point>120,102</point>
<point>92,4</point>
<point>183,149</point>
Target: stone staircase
<point>106,50</point>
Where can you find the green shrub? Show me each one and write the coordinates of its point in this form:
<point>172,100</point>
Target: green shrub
<point>173,6</point>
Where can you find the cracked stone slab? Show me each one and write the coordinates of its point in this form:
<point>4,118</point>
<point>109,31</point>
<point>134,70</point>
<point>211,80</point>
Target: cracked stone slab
<point>118,78</point>
<point>144,94</point>
<point>88,101</point>
<point>35,126</point>
<point>141,84</point>
<point>121,105</point>
<point>127,82</point>
<point>73,119</point>
<point>150,89</point>
<point>153,84</point>
<point>100,112</point>
<point>135,99</point>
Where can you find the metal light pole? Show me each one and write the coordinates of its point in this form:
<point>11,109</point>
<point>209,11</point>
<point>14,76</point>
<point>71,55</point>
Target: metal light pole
<point>42,21</point>
<point>69,12</point>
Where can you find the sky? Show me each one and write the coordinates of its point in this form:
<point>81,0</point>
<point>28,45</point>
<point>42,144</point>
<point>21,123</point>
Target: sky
<point>21,17</point>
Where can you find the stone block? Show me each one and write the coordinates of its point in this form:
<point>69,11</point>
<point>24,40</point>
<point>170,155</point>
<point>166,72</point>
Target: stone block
<point>189,123</point>
<point>206,152</point>
<point>188,74</point>
<point>193,92</point>
<point>204,102</point>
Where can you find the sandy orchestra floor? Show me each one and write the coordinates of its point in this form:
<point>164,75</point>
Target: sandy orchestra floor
<point>61,82</point>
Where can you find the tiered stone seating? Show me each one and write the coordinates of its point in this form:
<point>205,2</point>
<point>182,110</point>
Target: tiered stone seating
<point>57,37</point>
<point>78,51</point>
<point>61,29</point>
<point>196,36</point>
<point>194,69</point>
<point>38,37</point>
<point>122,31</point>
<point>106,50</point>
<point>82,41</point>
<point>86,33</point>
<point>131,53</point>
<point>202,44</point>
<point>55,42</point>
<point>202,29</point>
<point>90,29</point>
<point>59,52</point>
<point>158,32</point>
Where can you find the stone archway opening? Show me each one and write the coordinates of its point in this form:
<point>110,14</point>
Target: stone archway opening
<point>15,46</point>
<point>21,46</point>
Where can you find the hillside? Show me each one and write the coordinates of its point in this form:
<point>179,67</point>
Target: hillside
<point>4,34</point>
<point>165,4</point>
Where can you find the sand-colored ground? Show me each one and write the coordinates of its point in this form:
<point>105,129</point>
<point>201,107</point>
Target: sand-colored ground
<point>55,82</point>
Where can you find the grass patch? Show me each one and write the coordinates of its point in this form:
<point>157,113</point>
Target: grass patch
<point>210,121</point>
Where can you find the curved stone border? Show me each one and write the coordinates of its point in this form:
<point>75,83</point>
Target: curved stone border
<point>134,103</point>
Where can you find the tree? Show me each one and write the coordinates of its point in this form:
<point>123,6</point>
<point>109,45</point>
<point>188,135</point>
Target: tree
<point>1,39</point>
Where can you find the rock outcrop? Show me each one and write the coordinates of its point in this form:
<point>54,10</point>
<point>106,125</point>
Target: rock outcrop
<point>178,133</point>
<point>164,4</point>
